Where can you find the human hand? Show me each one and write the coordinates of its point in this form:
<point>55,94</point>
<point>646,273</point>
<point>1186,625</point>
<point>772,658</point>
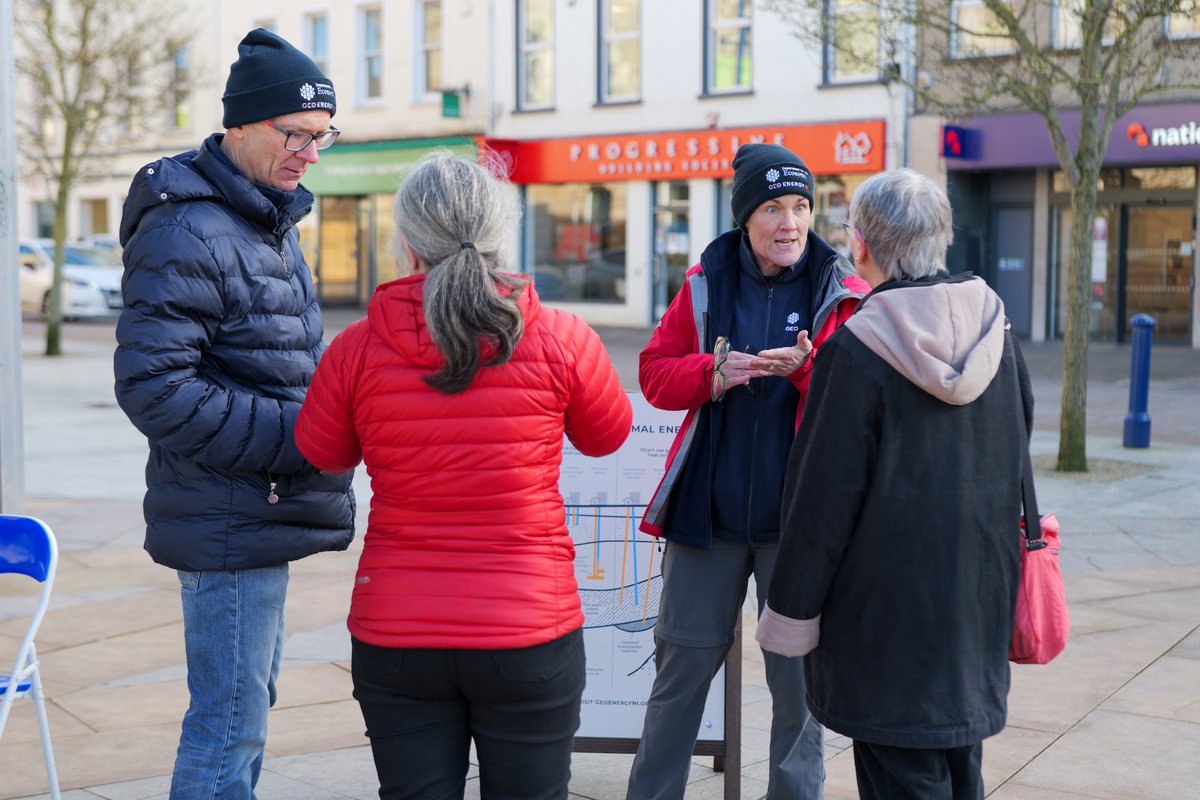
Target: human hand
<point>783,361</point>
<point>739,368</point>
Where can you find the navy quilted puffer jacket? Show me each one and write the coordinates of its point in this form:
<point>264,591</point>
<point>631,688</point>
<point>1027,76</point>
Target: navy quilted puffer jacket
<point>215,350</point>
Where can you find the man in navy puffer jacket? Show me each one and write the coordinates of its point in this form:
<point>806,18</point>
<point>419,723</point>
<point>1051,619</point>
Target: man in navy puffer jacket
<point>216,347</point>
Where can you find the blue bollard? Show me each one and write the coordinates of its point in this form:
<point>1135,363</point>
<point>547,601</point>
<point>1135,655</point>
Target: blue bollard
<point>1137,421</point>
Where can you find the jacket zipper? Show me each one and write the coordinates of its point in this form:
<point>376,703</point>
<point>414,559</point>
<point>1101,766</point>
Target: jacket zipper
<point>272,497</point>
<point>283,257</point>
<point>757,415</point>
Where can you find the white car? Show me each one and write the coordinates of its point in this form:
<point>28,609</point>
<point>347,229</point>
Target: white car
<point>91,279</point>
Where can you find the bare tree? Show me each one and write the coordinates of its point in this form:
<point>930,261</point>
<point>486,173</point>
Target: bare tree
<point>1099,57</point>
<point>88,67</point>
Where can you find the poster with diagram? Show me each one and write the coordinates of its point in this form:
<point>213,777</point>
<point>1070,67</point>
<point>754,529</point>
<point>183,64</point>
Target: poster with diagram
<point>618,570</point>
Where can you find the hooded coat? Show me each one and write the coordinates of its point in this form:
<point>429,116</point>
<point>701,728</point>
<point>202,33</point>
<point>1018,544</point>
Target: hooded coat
<point>467,545</point>
<point>899,559</point>
<point>215,349</point>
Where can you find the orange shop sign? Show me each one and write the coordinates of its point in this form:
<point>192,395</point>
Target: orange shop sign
<point>826,147</point>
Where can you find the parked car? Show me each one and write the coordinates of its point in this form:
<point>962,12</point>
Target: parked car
<point>91,279</point>
<point>110,243</point>
<point>605,276</point>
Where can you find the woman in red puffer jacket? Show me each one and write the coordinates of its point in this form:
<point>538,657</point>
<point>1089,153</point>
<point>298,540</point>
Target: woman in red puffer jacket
<point>456,391</point>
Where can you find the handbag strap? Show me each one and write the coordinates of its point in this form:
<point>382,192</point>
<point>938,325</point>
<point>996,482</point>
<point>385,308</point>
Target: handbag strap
<point>1033,536</point>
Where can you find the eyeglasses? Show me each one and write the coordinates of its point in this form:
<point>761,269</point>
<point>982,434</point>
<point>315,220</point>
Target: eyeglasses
<point>295,141</point>
<point>720,355</point>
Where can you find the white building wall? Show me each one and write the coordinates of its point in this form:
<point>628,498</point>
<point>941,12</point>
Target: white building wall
<point>223,23</point>
<point>400,113</point>
<point>786,78</point>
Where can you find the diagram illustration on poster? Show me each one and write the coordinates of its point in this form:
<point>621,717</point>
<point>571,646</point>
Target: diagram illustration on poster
<point>618,571</point>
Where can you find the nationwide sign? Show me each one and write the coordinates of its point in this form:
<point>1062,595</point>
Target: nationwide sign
<point>1167,133</point>
<point>1180,136</point>
<point>827,148</point>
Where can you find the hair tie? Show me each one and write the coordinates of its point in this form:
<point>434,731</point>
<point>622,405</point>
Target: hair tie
<point>466,245</point>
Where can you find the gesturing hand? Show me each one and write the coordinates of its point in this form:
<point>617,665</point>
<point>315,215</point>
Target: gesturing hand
<point>783,361</point>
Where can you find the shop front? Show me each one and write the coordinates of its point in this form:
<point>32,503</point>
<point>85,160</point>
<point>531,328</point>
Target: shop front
<point>1143,229</point>
<point>348,238</point>
<point>612,223</point>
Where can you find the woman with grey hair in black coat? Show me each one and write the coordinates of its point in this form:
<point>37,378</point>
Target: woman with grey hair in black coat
<point>899,560</point>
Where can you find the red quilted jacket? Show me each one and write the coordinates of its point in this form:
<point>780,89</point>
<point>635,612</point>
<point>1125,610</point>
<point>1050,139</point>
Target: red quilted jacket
<point>467,543</point>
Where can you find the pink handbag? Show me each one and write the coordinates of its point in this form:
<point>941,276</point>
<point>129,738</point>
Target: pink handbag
<point>1042,622</point>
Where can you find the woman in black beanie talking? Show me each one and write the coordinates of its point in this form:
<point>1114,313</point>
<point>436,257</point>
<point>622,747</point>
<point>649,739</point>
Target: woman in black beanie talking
<point>734,350</point>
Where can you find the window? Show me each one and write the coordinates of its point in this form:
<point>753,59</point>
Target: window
<point>620,50</point>
<point>370,65</point>
<point>977,31</point>
<point>316,35</point>
<point>93,215</point>
<point>727,47</point>
<point>267,24</point>
<point>1183,26</point>
<point>575,241</point>
<point>852,41</point>
<point>181,91</point>
<point>1068,26</point>
<point>43,214</point>
<point>131,70</point>
<point>535,70</point>
<point>429,48</point>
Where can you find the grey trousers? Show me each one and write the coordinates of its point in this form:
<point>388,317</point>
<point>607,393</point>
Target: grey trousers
<point>703,592</point>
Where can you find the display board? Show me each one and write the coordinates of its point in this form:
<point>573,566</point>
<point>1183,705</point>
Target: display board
<point>619,573</point>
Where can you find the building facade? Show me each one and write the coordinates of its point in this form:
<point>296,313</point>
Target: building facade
<point>616,119</point>
<point>619,120</point>
<point>1012,203</point>
<point>394,64</point>
<point>1013,215</point>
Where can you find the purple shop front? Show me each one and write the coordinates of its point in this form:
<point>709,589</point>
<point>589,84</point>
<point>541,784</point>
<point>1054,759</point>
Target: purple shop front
<point>1147,134</point>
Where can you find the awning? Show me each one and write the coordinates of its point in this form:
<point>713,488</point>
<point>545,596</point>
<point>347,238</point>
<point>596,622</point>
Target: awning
<point>375,167</point>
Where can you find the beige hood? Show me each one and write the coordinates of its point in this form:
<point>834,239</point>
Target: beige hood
<point>945,337</point>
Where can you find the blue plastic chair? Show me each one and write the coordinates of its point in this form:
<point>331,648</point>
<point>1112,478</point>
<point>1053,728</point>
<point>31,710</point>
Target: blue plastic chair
<point>27,547</point>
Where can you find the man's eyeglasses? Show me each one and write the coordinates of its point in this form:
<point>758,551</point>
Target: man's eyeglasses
<point>720,355</point>
<point>295,141</point>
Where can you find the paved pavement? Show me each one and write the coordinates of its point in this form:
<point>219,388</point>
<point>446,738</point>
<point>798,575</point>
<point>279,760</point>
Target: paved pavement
<point>1116,716</point>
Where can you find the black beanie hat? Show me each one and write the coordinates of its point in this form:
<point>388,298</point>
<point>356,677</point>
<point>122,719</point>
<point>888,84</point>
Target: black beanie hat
<point>763,171</point>
<point>271,78</point>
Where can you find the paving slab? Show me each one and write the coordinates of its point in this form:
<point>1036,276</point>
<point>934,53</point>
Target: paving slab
<point>1117,715</point>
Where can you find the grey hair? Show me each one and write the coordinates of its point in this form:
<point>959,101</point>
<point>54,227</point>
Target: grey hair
<point>459,219</point>
<point>905,219</point>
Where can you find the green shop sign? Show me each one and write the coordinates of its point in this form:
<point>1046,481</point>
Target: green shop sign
<point>375,167</point>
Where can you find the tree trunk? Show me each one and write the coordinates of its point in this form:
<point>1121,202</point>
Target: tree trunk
<point>1072,446</point>
<point>54,314</point>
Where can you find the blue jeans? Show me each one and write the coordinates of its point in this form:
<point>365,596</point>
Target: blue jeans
<point>233,633</point>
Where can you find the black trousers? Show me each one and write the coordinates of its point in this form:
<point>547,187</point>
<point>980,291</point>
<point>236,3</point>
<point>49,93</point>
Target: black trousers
<point>903,773</point>
<point>423,707</point>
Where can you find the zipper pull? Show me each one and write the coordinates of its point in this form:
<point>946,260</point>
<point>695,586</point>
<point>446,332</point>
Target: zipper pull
<point>283,257</point>
<point>272,498</point>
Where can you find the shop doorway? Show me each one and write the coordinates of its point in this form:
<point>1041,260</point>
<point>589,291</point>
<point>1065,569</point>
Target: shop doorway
<point>1013,247</point>
<point>1142,263</point>
<point>671,242</point>
<point>349,244</point>
<point>338,251</point>
<point>1158,269</point>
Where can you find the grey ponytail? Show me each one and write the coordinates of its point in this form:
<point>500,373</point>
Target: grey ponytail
<point>459,219</point>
